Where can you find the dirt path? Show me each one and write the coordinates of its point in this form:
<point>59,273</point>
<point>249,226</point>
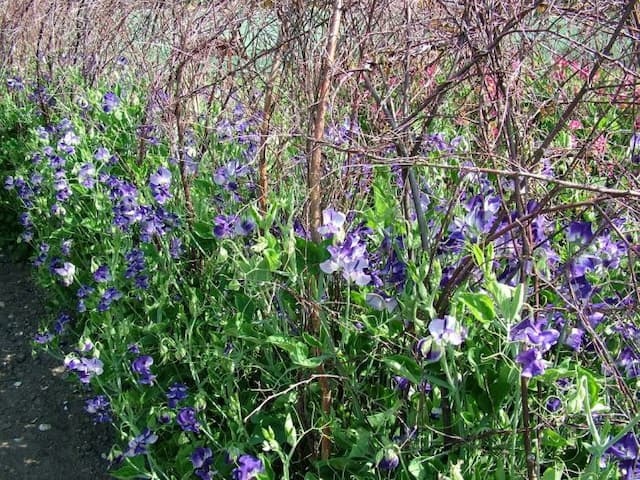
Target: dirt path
<point>44,432</point>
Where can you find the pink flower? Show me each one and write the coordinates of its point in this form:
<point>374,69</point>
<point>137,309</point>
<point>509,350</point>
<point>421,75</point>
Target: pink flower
<point>575,125</point>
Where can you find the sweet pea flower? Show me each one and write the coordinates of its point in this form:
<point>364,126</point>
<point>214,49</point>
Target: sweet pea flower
<point>447,331</point>
<point>142,366</point>
<point>159,182</point>
<point>139,445</point>
<point>186,418</point>
<point>390,460</point>
<point>332,224</point>
<point>531,362</point>
<point>247,469</point>
<point>202,458</point>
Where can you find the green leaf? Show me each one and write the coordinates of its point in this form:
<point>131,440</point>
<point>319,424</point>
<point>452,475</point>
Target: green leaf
<point>416,468</point>
<point>405,367</point>
<point>553,473</point>
<point>203,230</point>
<point>361,445</point>
<point>509,300</point>
<point>480,306</point>
<point>290,431</point>
<point>132,470</point>
<point>553,439</point>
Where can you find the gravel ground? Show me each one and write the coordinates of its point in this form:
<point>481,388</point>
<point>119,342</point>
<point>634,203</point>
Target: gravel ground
<point>44,432</point>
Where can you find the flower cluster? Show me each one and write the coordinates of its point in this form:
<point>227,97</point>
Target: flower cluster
<point>109,296</point>
<point>537,340</point>
<point>241,129</point>
<point>350,256</point>
<point>229,226</point>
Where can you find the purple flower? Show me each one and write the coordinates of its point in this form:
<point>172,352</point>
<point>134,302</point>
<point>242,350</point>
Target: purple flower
<point>482,215</point>
<point>61,321</point>
<point>247,469</point>
<point>164,418</point>
<point>228,173</point>
<point>625,451</point>
<point>15,83</point>
<point>629,360</point>
<point>531,362</point>
<point>42,133</point>
<point>99,408</point>
<point>634,147</point>
<point>85,368</point>
<point>447,331</point>
<point>57,210</point>
<point>61,186</point>
<point>610,251</point>
<point>578,267</point>
<point>65,247</point>
<point>176,393</point>
<point>135,263</point>
<point>202,458</point>
<point>390,460</point>
<point>553,404</point>
<point>40,259</point>
<point>159,183</point>
<point>87,174</point>
<point>579,232</point>
<point>428,349</point>
<point>141,282</point>
<point>175,247</point>
<point>102,274</point>
<point>381,302</point>
<point>244,227</point>
<point>110,102</point>
<point>142,366</point>
<point>574,338</point>
<point>64,126</point>
<point>9,183</point>
<point>533,334</point>
<point>101,154</point>
<point>68,143</point>
<point>402,383</point>
<point>351,258</point>
<point>84,291</point>
<point>43,338</point>
<point>36,179</point>
<point>66,271</point>
<point>187,420</point>
<point>139,445</point>
<point>110,295</point>
<point>25,220</point>
<point>332,223</point>
<point>86,346</point>
<point>224,226</point>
